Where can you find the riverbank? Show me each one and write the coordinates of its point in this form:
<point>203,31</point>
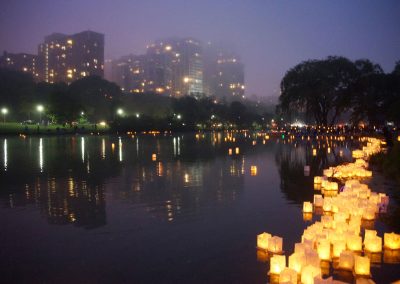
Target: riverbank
<point>388,162</point>
<point>14,128</point>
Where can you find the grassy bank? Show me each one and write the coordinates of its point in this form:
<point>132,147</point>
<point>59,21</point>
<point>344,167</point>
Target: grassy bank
<point>14,128</point>
<point>389,162</point>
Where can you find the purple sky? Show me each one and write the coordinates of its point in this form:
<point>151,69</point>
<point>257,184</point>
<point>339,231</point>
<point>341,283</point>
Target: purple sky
<point>270,36</point>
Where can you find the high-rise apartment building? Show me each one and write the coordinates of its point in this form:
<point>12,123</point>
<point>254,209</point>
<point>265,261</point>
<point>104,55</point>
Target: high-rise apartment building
<point>20,62</point>
<point>65,58</point>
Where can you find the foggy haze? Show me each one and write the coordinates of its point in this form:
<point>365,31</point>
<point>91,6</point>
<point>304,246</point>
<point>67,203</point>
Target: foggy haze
<point>269,36</point>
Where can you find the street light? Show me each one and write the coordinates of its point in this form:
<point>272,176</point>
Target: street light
<point>137,115</point>
<point>120,111</point>
<point>40,109</point>
<point>4,111</point>
<point>178,116</point>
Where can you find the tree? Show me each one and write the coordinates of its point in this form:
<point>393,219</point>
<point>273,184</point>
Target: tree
<point>318,88</point>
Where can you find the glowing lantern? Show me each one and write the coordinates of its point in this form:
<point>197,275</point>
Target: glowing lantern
<point>327,221</point>
<point>237,151</point>
<point>324,249</point>
<point>373,244</point>
<point>275,244</point>
<point>354,243</point>
<point>362,265</point>
<point>262,240</point>
<point>317,179</point>
<point>346,260</point>
<point>296,261</point>
<point>278,263</point>
<point>307,207</point>
<point>229,151</point>
<point>307,216</point>
<point>288,276</point>
<point>312,258</point>
<point>154,157</point>
<point>369,214</point>
<point>318,200</point>
<point>314,152</point>
<point>369,234</point>
<point>338,247</point>
<point>392,240</point>
<point>309,273</point>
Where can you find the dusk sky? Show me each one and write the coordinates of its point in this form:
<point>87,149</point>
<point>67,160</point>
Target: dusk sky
<point>270,36</point>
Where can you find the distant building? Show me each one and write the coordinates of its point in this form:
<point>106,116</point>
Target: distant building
<point>223,73</point>
<point>20,62</point>
<point>65,58</point>
<point>128,73</point>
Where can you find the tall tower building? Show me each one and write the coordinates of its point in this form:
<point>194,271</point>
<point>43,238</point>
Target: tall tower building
<point>65,58</point>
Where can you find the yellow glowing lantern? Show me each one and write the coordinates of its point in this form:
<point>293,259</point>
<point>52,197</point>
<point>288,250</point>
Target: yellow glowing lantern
<point>154,157</point>
<point>314,152</point>
<point>317,179</point>
<point>369,214</point>
<point>278,263</point>
<point>373,244</point>
<point>229,151</point>
<point>275,244</point>
<point>318,200</point>
<point>338,247</point>
<point>308,274</point>
<point>288,276</point>
<point>307,216</point>
<point>362,265</point>
<point>398,138</point>
<point>324,249</point>
<point>327,221</point>
<point>392,241</point>
<point>354,243</point>
<point>346,260</point>
<point>237,151</point>
<point>307,207</point>
<point>262,240</point>
<point>369,234</point>
<point>296,261</point>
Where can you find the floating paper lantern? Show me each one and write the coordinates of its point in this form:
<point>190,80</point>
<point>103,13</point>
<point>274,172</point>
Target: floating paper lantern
<point>296,261</point>
<point>300,248</point>
<point>391,256</point>
<point>262,240</point>
<point>354,243</point>
<point>253,170</point>
<point>324,249</point>
<point>369,234</point>
<point>368,214</point>
<point>237,151</point>
<point>338,247</point>
<point>275,244</point>
<point>312,258</point>
<point>362,265</point>
<point>278,263</point>
<point>318,200</point>
<point>317,179</point>
<point>346,260</point>
<point>392,240</point>
<point>307,207</point>
<point>373,244</point>
<point>229,151</point>
<point>308,274</point>
<point>154,157</point>
<point>288,276</point>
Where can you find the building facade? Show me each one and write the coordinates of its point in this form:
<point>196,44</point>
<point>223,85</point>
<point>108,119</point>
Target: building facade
<point>65,58</point>
<point>27,63</point>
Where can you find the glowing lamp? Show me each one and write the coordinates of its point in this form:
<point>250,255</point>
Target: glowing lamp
<point>297,261</point>
<point>369,234</point>
<point>312,258</point>
<point>262,240</point>
<point>317,179</point>
<point>288,276</point>
<point>362,265</point>
<point>369,214</point>
<point>354,243</point>
<point>154,157</point>
<point>338,247</point>
<point>309,273</point>
<point>324,249</point>
<point>392,240</point>
<point>275,244</point>
<point>237,151</point>
<point>278,263</point>
<point>326,221</point>
<point>229,151</point>
<point>307,207</point>
<point>373,244</point>
<point>346,260</point>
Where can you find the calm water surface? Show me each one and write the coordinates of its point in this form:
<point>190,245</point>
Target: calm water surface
<point>100,210</point>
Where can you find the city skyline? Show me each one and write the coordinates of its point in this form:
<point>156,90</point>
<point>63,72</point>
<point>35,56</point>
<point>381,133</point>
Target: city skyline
<point>289,33</point>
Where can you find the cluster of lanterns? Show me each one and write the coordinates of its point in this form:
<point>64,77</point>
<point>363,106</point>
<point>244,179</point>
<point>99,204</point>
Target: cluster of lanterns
<point>337,237</point>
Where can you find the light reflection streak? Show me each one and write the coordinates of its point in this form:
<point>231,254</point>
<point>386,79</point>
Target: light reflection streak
<point>41,154</point>
<point>103,149</point>
<point>5,155</point>
<point>174,141</point>
<point>83,149</point>
<point>120,149</point>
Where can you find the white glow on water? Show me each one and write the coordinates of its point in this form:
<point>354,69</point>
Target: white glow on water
<point>5,155</point>
<point>41,154</point>
<point>83,149</point>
